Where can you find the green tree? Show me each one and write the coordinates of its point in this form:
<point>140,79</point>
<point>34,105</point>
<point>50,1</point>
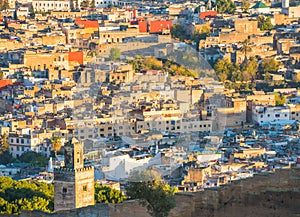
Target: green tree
<point>35,159</point>
<point>6,158</point>
<point>114,54</point>
<point>197,9</point>
<point>1,74</point>
<point>153,63</point>
<point>178,32</point>
<point>225,6</point>
<point>16,196</point>
<point>93,4</point>
<point>56,144</point>
<point>6,207</point>
<point>249,69</point>
<point>85,4</point>
<point>246,48</point>
<point>269,65</point>
<point>201,35</point>
<point>225,69</point>
<point>4,145</point>
<point>279,99</point>
<point>156,195</point>
<point>104,194</point>
<point>92,53</point>
<point>245,5</point>
<point>264,23</point>
<point>4,5</point>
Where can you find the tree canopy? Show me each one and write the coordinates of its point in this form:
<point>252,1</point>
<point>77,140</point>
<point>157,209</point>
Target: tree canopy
<point>16,196</point>
<point>279,99</point>
<point>56,143</point>
<point>153,63</point>
<point>269,65</point>
<point>104,194</point>
<point>245,5</point>
<point>93,4</point>
<point>35,159</point>
<point>225,6</point>
<point>114,54</point>
<point>6,158</point>
<point>247,71</point>
<point>85,4</point>
<point>156,195</point>
<point>264,23</point>
<point>4,5</point>
<point>4,145</point>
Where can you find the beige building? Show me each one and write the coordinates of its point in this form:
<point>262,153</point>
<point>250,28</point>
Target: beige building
<point>249,153</point>
<point>123,73</point>
<point>233,115</point>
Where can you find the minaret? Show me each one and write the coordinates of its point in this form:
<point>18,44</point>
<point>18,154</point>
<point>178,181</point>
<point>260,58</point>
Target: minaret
<point>73,183</point>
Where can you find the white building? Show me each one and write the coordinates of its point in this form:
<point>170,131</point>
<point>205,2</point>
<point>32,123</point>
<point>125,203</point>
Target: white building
<point>43,5</point>
<point>118,166</point>
<point>106,3</point>
<point>22,11</point>
<point>24,142</point>
<point>266,114</point>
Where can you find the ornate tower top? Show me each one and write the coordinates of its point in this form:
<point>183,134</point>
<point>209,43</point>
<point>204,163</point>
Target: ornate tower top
<point>73,151</point>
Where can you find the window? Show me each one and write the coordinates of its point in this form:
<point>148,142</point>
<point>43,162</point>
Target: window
<point>277,115</point>
<point>84,188</point>
<point>64,190</point>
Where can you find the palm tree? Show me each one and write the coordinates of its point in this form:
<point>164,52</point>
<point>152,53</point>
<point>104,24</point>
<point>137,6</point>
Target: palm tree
<point>4,143</point>
<point>246,48</point>
<point>92,53</point>
<point>56,144</point>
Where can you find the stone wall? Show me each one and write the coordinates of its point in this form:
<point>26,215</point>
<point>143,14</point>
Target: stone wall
<point>268,195</point>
